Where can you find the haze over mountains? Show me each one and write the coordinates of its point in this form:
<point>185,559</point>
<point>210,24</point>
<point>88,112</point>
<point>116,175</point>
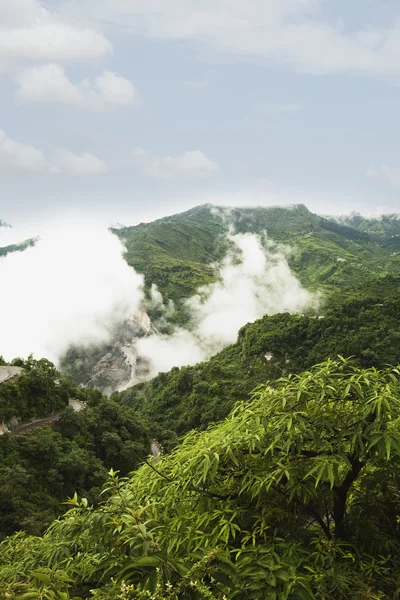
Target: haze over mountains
<point>165,335</point>
<point>200,276</point>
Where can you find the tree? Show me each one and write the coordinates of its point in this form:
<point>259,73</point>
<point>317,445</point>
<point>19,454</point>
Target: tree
<point>271,504</point>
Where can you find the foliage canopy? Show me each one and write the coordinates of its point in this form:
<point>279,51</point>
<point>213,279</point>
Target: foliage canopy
<point>295,495</point>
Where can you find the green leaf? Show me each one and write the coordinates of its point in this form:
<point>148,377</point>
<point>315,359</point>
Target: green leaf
<point>222,578</point>
<point>148,561</point>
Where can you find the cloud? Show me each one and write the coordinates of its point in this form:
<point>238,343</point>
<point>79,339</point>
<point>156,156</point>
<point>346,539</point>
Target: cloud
<point>61,293</point>
<point>23,157</point>
<point>192,164</point>
<point>73,287</point>
<point>296,33</point>
<point>30,33</point>
<point>387,174</point>
<point>78,164</point>
<point>49,84</point>
<point>260,283</point>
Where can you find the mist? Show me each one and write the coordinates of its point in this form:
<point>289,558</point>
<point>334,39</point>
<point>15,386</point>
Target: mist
<point>72,287</point>
<point>254,280</point>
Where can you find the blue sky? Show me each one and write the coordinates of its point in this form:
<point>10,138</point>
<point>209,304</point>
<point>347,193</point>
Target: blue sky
<point>134,109</point>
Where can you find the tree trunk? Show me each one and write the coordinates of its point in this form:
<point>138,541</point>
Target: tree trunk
<point>340,498</point>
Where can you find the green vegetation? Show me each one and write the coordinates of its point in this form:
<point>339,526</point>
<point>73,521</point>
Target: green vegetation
<point>175,253</point>
<point>194,397</point>
<point>50,464</point>
<point>42,467</point>
<point>294,496</point>
<point>39,391</point>
<point>385,228</point>
<point>17,247</point>
<point>179,253</point>
<point>279,479</point>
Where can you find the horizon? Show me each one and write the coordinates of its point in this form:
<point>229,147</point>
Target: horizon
<point>21,231</point>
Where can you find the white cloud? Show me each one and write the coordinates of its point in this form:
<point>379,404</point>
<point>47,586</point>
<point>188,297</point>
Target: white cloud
<point>261,283</point>
<point>292,32</point>
<point>59,293</point>
<point>387,174</point>
<point>24,157</point>
<point>30,33</point>
<point>79,164</point>
<point>50,84</point>
<point>189,165</point>
<point>84,289</point>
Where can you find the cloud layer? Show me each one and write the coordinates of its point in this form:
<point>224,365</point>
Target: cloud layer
<point>49,84</point>
<point>260,283</point>
<point>299,33</point>
<point>296,33</point>
<point>71,288</point>
<point>17,156</point>
<point>22,157</point>
<point>192,164</point>
<point>74,287</point>
<point>30,33</point>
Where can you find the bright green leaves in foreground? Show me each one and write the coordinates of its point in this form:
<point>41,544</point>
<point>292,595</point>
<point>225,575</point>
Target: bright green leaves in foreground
<point>295,495</point>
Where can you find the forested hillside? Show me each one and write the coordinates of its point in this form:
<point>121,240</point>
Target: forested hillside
<point>177,253</point>
<point>180,253</point>
<point>385,228</point>
<point>280,472</point>
<point>194,397</point>
<point>295,495</point>
<point>45,465</point>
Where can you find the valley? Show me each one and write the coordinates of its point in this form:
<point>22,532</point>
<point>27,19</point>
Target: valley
<point>278,426</point>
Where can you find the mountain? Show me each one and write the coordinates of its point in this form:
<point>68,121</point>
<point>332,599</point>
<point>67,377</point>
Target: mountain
<point>115,365</point>
<point>181,253</point>
<point>343,259</point>
<point>280,469</point>
<point>178,253</point>
<point>17,247</point>
<point>385,228</point>
<point>184,252</point>
<point>193,397</point>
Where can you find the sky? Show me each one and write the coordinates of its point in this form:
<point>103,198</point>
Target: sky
<point>135,109</point>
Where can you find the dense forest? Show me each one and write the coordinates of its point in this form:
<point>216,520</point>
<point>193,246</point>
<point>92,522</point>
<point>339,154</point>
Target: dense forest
<point>181,253</point>
<point>280,470</point>
<point>294,495</point>
<point>194,397</point>
<point>46,465</point>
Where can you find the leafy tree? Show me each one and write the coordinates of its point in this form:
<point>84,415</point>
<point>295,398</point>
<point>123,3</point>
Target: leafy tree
<point>271,504</point>
<point>41,468</point>
<point>194,397</point>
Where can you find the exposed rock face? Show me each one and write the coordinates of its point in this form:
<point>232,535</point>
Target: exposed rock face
<point>7,373</point>
<point>120,366</point>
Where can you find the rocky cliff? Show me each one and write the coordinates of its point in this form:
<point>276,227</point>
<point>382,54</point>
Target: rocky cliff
<point>116,365</point>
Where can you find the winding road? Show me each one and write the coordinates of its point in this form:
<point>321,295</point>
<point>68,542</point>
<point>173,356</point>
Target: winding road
<point>24,427</point>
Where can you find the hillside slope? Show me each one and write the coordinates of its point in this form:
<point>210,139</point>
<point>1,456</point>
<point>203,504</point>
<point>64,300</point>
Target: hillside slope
<point>293,497</point>
<point>385,228</point>
<point>193,397</point>
<point>177,253</point>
